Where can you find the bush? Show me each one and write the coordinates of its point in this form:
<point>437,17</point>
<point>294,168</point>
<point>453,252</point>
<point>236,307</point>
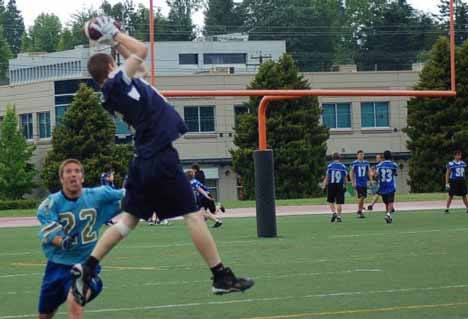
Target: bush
<point>19,204</point>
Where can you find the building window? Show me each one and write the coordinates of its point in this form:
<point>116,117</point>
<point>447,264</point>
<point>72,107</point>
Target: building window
<point>225,58</point>
<point>375,114</point>
<point>60,111</point>
<point>337,115</point>
<point>200,118</point>
<point>43,119</point>
<point>188,58</point>
<point>26,125</point>
<point>212,185</point>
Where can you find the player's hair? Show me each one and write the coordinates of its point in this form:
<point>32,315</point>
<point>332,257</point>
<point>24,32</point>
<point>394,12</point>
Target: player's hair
<point>98,66</point>
<point>336,156</point>
<point>387,155</point>
<point>68,161</point>
<point>196,167</point>
<point>108,168</point>
<point>190,174</point>
<point>458,152</point>
<point>360,151</point>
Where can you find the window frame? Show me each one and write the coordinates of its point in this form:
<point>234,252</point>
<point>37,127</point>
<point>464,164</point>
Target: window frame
<point>375,126</point>
<point>335,105</point>
<point>199,124</point>
<point>48,128</point>
<point>196,62</point>
<point>29,125</point>
<point>209,58</point>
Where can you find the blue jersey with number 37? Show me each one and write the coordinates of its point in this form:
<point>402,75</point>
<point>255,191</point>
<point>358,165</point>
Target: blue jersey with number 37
<point>387,172</point>
<point>81,218</point>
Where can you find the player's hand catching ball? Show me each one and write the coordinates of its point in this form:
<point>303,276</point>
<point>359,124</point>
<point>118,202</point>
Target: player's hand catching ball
<point>102,29</point>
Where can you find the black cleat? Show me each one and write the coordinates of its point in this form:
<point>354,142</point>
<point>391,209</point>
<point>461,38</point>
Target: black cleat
<point>361,215</point>
<point>222,209</point>
<point>80,284</point>
<point>218,223</point>
<point>393,210</point>
<point>338,219</point>
<point>388,219</point>
<point>370,207</point>
<point>334,217</point>
<point>447,211</point>
<point>227,282</point>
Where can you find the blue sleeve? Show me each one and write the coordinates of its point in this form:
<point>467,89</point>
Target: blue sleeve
<point>50,221</point>
<point>107,194</point>
<point>108,211</point>
<point>118,83</point>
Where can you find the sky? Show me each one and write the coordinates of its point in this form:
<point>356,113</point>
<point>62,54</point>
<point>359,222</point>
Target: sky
<point>30,9</point>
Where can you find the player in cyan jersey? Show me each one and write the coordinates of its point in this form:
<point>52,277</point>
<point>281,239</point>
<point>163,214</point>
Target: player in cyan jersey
<point>335,182</point>
<point>455,182</point>
<point>386,175</point>
<point>70,222</point>
<point>359,176</point>
<point>156,181</point>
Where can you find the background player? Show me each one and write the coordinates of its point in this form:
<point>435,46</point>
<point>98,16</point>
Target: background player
<point>334,181</point>
<point>204,199</point>
<point>386,175</point>
<point>374,183</point>
<point>455,181</point>
<point>70,222</point>
<point>359,176</point>
<point>156,181</point>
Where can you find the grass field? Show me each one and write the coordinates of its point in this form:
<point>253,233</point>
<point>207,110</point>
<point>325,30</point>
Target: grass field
<point>280,202</point>
<point>414,268</point>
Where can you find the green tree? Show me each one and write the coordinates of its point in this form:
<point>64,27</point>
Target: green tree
<point>45,33</point>
<point>86,133</point>
<point>66,40</point>
<point>221,17</point>
<point>437,126</point>
<point>5,55</point>
<point>461,18</point>
<point>16,173</point>
<point>26,43</point>
<point>307,26</point>
<point>294,133</point>
<point>180,25</point>
<point>14,27</point>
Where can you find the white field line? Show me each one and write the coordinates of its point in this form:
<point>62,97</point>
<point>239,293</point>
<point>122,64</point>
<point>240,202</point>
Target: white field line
<point>253,300</point>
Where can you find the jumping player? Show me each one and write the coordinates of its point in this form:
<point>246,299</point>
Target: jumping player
<point>70,222</point>
<point>359,176</point>
<point>455,182</point>
<point>386,175</point>
<point>156,181</point>
<point>334,181</point>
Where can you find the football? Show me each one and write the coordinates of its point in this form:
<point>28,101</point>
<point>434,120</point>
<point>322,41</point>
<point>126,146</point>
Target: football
<point>93,34</point>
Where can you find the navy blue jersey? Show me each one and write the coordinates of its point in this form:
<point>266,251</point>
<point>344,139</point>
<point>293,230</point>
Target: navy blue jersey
<point>195,185</point>
<point>386,176</point>
<point>81,218</point>
<point>336,173</point>
<point>156,123</point>
<point>361,172</point>
<point>457,170</point>
<point>105,181</point>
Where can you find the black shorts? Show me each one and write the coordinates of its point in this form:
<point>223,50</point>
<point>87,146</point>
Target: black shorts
<point>336,193</point>
<point>457,187</point>
<point>361,192</point>
<point>205,203</point>
<point>158,185</point>
<point>388,198</point>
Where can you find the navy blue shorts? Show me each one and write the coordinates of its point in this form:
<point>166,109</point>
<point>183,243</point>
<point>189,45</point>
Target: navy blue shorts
<point>158,185</point>
<point>56,285</point>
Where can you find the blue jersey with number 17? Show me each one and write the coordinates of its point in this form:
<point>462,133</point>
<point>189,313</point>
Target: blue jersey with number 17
<point>361,172</point>
<point>81,218</point>
<point>387,172</point>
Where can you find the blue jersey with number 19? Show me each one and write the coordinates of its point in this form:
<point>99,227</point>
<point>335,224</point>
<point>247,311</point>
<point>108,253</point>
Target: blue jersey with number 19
<point>387,172</point>
<point>81,218</point>
<point>336,173</point>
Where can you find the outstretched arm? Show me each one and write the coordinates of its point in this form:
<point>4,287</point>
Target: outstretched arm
<point>133,51</point>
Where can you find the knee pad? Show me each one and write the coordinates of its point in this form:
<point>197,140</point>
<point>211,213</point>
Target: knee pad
<point>122,228</point>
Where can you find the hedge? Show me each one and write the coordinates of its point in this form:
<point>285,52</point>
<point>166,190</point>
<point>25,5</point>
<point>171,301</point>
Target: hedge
<point>19,204</point>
